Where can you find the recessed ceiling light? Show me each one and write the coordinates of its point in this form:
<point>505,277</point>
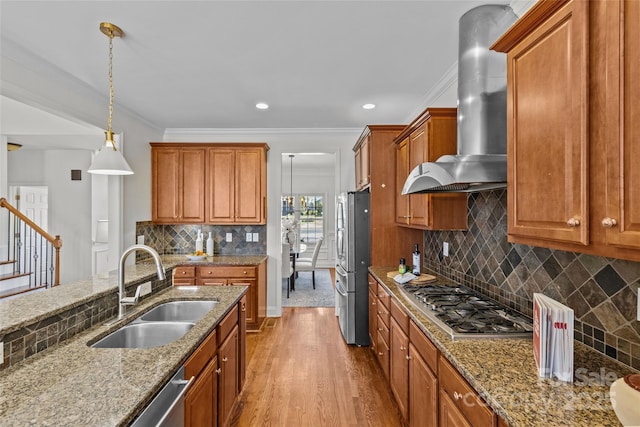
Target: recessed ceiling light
<point>369,106</point>
<point>262,105</point>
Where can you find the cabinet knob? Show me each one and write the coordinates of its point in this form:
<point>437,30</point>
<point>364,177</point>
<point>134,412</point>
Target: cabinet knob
<point>225,359</point>
<point>380,354</point>
<point>573,222</point>
<point>244,272</point>
<point>183,272</point>
<point>408,357</point>
<point>457,396</point>
<point>609,222</point>
<point>402,348</point>
<point>218,371</point>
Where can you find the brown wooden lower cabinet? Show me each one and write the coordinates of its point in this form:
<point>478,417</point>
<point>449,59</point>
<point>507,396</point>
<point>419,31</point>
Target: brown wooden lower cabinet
<point>253,276</point>
<point>217,365</point>
<point>428,390</point>
<point>201,401</point>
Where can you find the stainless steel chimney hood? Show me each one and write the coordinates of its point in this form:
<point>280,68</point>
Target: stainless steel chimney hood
<point>481,162</point>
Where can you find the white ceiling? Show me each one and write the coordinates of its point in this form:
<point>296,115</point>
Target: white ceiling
<point>205,64</point>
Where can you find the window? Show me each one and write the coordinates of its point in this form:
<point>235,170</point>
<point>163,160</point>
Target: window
<point>308,209</point>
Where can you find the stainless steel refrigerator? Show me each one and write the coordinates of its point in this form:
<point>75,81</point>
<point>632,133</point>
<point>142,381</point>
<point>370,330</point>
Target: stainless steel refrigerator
<point>353,258</point>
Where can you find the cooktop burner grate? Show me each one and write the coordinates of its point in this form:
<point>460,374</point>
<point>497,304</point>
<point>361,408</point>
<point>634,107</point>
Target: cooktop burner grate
<point>463,313</point>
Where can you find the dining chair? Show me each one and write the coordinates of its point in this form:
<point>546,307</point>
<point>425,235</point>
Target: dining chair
<point>309,264</point>
<point>287,270</point>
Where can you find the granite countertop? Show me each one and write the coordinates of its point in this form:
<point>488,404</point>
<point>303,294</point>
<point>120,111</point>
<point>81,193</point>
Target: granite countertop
<point>74,385</point>
<point>16,313</point>
<point>503,372</point>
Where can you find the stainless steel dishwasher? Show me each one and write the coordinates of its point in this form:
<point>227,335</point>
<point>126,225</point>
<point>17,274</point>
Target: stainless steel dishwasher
<point>167,408</point>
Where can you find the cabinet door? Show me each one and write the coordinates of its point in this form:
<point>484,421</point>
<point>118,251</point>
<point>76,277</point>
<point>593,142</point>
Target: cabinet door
<point>364,163</point>
<point>399,367</point>
<point>423,391</point>
<point>249,200</point>
<point>418,203</point>
<point>200,404</point>
<point>165,165</point>
<point>402,172</point>
<point>242,343</point>
<point>192,185</point>
<point>221,204</point>
<point>450,416</point>
<point>358,166</point>
<point>228,379</point>
<point>382,348</point>
<point>622,217</point>
<point>547,151</point>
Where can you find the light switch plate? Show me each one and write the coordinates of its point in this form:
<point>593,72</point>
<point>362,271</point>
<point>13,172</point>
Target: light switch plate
<point>145,289</point>
<point>255,237</point>
<point>1,353</point>
<point>140,239</point>
<point>249,237</point>
<point>445,249</point>
<point>228,237</point>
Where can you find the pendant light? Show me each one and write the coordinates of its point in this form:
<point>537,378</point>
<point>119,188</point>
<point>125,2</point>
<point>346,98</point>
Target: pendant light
<point>109,161</point>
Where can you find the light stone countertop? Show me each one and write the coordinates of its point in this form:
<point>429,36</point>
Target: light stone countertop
<point>74,385</point>
<point>16,313</point>
<point>503,372</point>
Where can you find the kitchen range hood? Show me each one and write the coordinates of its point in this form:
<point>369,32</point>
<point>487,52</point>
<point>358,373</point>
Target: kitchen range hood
<point>481,161</point>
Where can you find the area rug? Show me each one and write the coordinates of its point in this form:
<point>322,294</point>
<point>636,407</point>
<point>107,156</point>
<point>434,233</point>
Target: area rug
<point>305,296</point>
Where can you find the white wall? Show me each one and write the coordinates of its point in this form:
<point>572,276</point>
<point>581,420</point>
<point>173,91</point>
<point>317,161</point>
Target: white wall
<point>69,202</point>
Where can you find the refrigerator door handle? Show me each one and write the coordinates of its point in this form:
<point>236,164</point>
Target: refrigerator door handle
<point>339,289</point>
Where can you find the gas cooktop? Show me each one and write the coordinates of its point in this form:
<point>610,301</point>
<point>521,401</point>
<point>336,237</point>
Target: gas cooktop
<point>463,313</point>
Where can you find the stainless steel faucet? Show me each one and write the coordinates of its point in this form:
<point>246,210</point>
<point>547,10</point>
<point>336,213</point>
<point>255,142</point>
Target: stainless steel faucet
<point>122,298</point>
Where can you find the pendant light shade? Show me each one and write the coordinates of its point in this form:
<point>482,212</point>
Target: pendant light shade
<point>110,161</point>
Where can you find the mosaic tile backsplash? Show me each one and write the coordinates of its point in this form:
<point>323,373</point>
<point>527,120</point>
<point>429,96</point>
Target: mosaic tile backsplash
<point>181,239</point>
<point>601,291</point>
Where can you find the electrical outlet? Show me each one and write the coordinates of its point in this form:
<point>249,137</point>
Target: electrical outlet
<point>1,353</point>
<point>145,289</point>
<point>255,237</point>
<point>228,237</point>
<point>249,237</point>
<point>140,239</point>
<point>445,249</point>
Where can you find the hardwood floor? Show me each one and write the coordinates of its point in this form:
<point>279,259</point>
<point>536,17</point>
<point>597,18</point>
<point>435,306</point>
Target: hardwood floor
<point>300,372</point>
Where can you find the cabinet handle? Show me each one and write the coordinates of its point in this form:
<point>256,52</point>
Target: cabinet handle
<point>457,396</point>
<point>244,272</point>
<point>225,359</point>
<point>244,307</point>
<point>380,354</point>
<point>609,222</point>
<point>183,272</point>
<point>402,348</point>
<point>218,371</point>
<point>573,222</point>
<point>373,303</point>
<point>408,357</point>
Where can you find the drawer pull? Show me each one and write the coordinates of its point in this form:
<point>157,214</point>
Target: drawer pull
<point>183,272</point>
<point>609,222</point>
<point>573,222</point>
<point>244,272</point>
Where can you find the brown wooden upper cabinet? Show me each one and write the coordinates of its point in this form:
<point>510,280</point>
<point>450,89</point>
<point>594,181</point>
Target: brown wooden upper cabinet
<point>363,174</point>
<point>573,127</point>
<point>208,183</point>
<point>432,135</point>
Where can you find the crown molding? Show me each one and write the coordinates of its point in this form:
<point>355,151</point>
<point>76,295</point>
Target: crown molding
<point>170,134</point>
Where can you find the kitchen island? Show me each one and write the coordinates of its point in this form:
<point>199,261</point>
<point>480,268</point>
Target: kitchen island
<point>503,373</point>
<point>70,383</point>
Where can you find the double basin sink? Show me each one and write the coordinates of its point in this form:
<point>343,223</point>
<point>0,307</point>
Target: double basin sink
<point>159,326</point>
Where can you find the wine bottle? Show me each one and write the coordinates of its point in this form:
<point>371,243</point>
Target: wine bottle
<point>416,261</point>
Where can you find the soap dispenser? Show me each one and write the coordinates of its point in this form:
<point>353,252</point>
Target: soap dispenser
<point>210,245</point>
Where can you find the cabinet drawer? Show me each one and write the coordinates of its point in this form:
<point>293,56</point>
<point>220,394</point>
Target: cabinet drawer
<point>383,296</point>
<point>383,330</point>
<point>203,354</point>
<point>384,316</point>
<point>226,272</point>
<point>228,324</point>
<point>424,346</point>
<point>186,272</point>
<point>464,397</point>
<point>373,284</point>
<point>400,316</point>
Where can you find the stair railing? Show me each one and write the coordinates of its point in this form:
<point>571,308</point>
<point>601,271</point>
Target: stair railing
<point>32,251</point>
